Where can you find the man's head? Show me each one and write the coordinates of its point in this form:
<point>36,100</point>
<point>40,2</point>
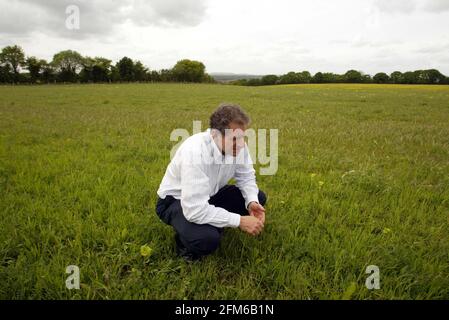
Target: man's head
<point>228,124</point>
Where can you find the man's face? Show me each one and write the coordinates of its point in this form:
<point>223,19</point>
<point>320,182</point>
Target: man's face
<point>234,139</point>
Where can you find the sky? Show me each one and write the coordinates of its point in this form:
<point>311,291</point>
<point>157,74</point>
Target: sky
<point>252,37</point>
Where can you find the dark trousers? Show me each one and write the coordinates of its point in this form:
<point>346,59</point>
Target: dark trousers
<point>202,239</point>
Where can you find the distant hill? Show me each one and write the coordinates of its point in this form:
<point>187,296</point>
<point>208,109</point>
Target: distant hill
<point>226,76</point>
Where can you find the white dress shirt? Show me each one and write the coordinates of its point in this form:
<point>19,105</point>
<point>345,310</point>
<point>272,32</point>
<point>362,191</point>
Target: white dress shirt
<point>196,173</point>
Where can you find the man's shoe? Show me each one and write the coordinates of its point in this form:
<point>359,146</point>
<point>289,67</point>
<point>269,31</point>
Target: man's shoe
<point>183,252</point>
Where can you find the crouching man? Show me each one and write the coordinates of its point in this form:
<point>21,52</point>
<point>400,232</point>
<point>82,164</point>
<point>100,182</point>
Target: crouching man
<point>194,196</point>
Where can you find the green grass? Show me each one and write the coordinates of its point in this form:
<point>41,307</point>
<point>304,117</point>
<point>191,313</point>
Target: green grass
<point>80,166</point>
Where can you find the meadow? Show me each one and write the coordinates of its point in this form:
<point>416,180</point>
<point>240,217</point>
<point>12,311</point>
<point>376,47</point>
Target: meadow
<point>363,179</point>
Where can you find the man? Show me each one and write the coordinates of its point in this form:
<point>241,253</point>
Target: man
<point>194,196</point>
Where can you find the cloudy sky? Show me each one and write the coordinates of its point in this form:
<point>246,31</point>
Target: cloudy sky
<point>250,36</point>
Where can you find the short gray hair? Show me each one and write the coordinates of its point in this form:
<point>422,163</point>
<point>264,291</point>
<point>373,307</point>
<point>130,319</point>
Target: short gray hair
<point>227,113</point>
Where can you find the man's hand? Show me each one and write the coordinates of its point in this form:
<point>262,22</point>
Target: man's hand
<point>251,225</point>
<point>257,210</point>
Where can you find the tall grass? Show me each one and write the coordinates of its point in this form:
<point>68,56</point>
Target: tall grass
<point>363,180</point>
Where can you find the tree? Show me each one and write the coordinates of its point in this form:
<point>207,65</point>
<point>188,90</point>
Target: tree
<point>101,71</point>
<point>34,67</point>
<point>5,74</point>
<point>289,78</point>
<point>366,78</point>
<point>125,69</point>
<point>254,82</point>
<point>318,78</point>
<point>434,76</point>
<point>397,77</point>
<point>305,77</point>
<point>269,79</point>
<point>67,64</point>
<point>420,77</point>
<point>48,73</point>
<point>381,77</point>
<point>326,77</point>
<point>240,82</point>
<point>189,71</point>
<point>14,58</point>
<point>166,75</point>
<point>353,76</point>
<point>115,74</point>
<point>140,71</point>
<point>330,77</point>
<point>154,76</point>
<point>95,70</point>
<point>208,78</point>
<point>86,71</point>
<point>410,77</point>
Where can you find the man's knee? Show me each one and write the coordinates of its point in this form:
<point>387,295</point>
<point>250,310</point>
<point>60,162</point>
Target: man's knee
<point>262,197</point>
<point>206,242</point>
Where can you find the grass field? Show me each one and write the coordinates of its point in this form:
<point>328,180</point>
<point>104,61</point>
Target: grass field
<point>363,180</point>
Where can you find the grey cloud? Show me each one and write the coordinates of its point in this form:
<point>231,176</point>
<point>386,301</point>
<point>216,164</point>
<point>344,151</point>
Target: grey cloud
<point>99,17</point>
<point>433,48</point>
<point>361,43</point>
<point>395,6</point>
<point>436,5</point>
<point>168,12</point>
<point>409,6</point>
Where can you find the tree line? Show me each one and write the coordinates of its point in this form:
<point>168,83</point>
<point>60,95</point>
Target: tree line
<point>71,67</point>
<point>431,76</point>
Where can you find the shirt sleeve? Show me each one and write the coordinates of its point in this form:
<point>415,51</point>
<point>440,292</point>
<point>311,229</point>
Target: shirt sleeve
<point>195,197</point>
<point>245,179</point>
